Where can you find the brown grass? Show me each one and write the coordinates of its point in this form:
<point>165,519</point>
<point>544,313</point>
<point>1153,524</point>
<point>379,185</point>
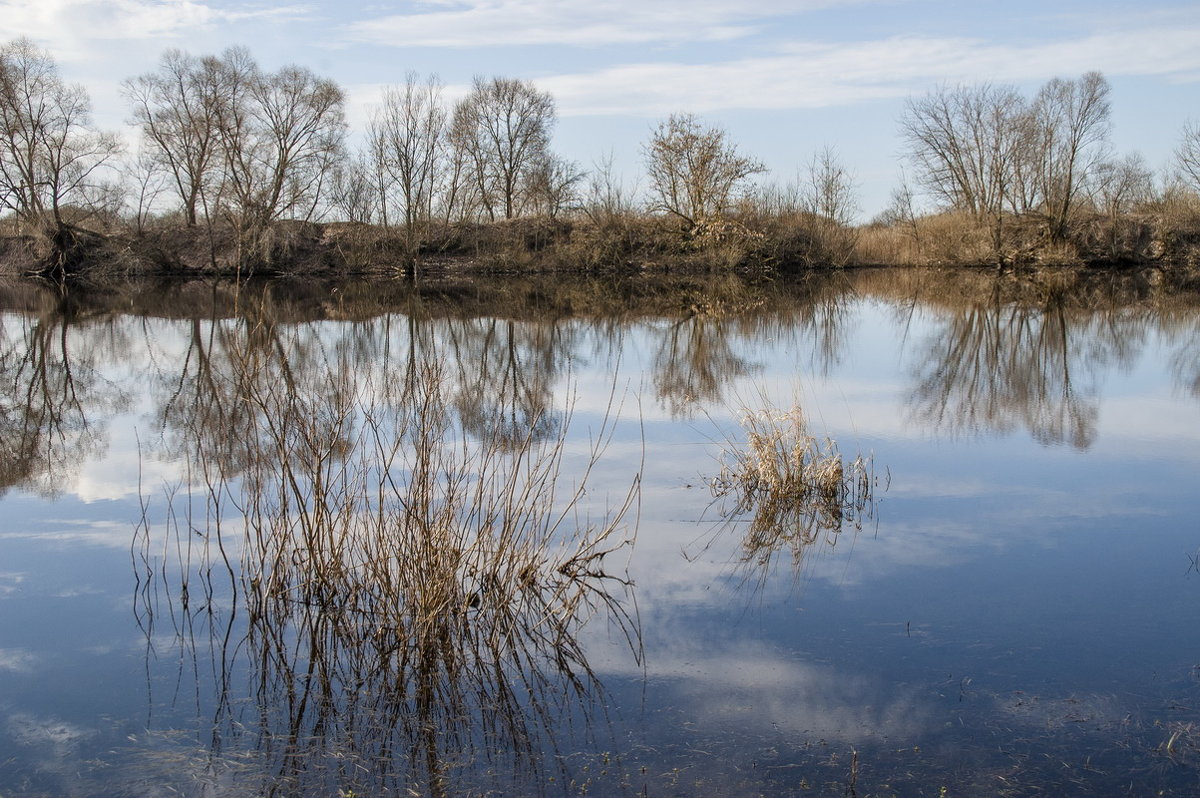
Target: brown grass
<point>796,489</point>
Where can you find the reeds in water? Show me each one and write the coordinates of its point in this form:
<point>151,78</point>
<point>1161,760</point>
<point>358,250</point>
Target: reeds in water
<point>796,489</point>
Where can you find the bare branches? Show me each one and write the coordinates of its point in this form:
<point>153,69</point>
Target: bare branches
<point>282,134</point>
<point>250,146</point>
<point>965,142</point>
<point>503,129</point>
<point>694,172</point>
<point>1188,154</point>
<point>1070,126</point>
<point>50,155</point>
<point>407,144</point>
<point>986,150</point>
<point>176,109</point>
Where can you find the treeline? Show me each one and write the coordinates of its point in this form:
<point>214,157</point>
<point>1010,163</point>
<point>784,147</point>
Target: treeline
<point>236,164</point>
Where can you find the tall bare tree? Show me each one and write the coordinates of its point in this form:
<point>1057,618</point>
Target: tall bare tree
<point>828,196</point>
<point>1188,154</point>
<point>552,185</point>
<point>987,151</point>
<point>1071,122</point>
<point>281,135</point>
<point>353,189</point>
<point>503,128</point>
<point>407,141</point>
<point>694,171</point>
<point>176,108</point>
<point>1120,185</point>
<point>965,143</point>
<point>50,155</point>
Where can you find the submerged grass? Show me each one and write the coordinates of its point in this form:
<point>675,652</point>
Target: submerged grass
<point>795,488</point>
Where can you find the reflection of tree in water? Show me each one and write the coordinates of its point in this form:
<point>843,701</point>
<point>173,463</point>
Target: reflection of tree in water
<point>697,359</point>
<point>695,363</point>
<point>505,373</point>
<point>53,402</point>
<point>1185,361</point>
<point>395,610</point>
<point>1002,367</point>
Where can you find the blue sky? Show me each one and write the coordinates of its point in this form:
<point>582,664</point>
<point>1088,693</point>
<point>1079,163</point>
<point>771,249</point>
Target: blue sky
<point>784,77</point>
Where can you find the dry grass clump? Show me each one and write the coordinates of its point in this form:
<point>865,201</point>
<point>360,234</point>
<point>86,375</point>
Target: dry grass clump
<point>796,488</point>
<point>955,238</point>
<point>947,238</point>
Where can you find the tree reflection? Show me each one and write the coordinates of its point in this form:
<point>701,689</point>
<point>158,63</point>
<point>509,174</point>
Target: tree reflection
<point>702,354</point>
<point>1185,361</point>
<point>391,608</point>
<point>695,363</point>
<point>1001,366</point>
<point>54,404</point>
<point>1006,353</point>
<point>505,372</point>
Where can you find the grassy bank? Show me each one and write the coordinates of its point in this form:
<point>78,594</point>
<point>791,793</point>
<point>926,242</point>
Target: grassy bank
<point>749,239</point>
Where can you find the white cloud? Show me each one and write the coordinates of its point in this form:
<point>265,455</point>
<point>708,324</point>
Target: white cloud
<point>71,28</point>
<point>486,23</point>
<point>16,660</point>
<point>812,75</point>
<point>744,684</point>
<point>29,729</point>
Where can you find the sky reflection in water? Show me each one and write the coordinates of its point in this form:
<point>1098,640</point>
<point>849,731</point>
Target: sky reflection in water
<point>1017,614</point>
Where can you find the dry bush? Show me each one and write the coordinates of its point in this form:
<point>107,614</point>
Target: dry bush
<point>955,238</point>
<point>885,245</point>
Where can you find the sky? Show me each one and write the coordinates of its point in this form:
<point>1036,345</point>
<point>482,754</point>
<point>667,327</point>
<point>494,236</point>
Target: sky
<point>784,78</point>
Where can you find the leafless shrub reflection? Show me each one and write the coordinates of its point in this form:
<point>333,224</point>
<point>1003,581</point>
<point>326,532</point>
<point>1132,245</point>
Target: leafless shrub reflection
<point>390,606</point>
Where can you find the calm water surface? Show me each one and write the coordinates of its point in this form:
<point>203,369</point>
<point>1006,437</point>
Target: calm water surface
<point>1011,608</point>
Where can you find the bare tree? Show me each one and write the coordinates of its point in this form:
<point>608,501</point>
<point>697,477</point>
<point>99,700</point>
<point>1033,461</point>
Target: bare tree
<point>694,171</point>
<point>353,191</point>
<point>828,197</point>
<point>176,108</point>
<point>608,198</point>
<point>1119,186</point>
<point>985,150</point>
<point>1188,154</point>
<point>407,138</point>
<point>49,154</point>
<point>965,143</point>
<point>281,136</point>
<point>459,198</point>
<point>552,185</point>
<point>148,182</point>
<point>830,189</point>
<point>1071,122</point>
<point>503,128</point>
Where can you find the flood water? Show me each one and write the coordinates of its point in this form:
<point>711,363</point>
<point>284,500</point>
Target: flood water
<point>467,537</point>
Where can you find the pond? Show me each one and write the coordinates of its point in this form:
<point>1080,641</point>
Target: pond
<point>866,533</point>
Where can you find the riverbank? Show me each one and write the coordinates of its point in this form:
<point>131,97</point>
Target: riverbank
<point>621,243</point>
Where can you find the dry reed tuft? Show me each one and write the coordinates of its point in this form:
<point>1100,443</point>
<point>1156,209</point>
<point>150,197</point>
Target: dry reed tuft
<point>796,488</point>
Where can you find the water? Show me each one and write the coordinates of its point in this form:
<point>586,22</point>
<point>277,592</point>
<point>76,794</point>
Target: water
<point>1011,610</point>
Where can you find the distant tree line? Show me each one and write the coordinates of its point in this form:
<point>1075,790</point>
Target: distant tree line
<point>228,147</point>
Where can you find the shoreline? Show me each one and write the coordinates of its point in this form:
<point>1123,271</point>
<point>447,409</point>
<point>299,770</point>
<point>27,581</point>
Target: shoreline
<point>628,245</point>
